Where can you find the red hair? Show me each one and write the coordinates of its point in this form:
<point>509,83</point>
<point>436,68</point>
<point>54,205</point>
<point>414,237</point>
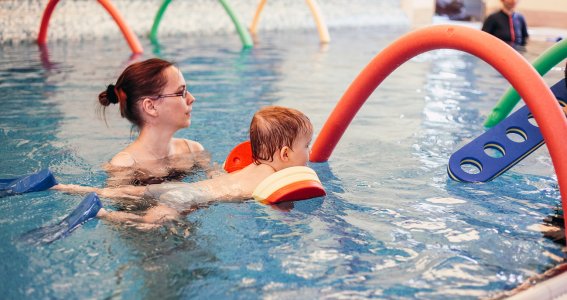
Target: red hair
<point>274,127</point>
<point>145,78</point>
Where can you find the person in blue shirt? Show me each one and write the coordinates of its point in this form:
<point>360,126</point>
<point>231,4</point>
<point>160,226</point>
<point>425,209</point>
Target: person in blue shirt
<point>507,25</point>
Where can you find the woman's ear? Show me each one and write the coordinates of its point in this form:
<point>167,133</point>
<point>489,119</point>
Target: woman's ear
<point>149,107</point>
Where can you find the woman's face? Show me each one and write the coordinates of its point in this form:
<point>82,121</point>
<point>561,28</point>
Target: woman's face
<point>175,110</point>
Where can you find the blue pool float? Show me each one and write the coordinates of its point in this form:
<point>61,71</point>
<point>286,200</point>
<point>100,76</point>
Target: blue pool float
<point>85,211</point>
<point>34,182</point>
<point>506,152</point>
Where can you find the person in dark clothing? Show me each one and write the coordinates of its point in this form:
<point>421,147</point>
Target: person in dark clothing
<point>507,25</point>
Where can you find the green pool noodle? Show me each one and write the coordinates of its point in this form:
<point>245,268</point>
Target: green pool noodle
<point>547,60</point>
<point>157,20</point>
<point>242,31</point>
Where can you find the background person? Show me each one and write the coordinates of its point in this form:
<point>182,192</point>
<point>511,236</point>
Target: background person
<point>507,25</point>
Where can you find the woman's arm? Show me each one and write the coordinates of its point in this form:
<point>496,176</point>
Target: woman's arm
<point>76,189</point>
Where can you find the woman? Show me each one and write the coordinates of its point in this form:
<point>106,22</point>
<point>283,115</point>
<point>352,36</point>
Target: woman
<point>153,96</point>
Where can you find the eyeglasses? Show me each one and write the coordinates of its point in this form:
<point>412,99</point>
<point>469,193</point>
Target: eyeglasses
<point>179,94</point>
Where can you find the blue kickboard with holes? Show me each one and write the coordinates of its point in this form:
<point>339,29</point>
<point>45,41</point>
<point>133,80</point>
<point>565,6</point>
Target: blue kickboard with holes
<point>505,151</point>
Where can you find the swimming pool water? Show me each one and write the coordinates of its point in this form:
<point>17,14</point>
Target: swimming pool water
<point>392,226</point>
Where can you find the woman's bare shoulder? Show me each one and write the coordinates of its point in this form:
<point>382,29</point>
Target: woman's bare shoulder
<point>192,145</point>
<point>122,159</point>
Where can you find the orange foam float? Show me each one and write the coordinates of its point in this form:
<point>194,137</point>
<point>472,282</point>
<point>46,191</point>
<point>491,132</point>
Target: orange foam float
<point>239,157</point>
<point>289,184</point>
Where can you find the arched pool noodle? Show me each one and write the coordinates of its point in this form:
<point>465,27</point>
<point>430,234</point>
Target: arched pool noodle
<point>245,37</point>
<point>498,54</point>
<point>547,60</point>
<point>129,35</point>
<point>317,16</point>
<point>256,19</point>
<point>319,21</point>
<point>157,20</point>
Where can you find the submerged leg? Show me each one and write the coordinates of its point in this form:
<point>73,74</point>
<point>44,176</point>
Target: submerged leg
<point>154,217</point>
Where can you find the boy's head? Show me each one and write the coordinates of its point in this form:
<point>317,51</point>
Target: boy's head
<point>280,135</point>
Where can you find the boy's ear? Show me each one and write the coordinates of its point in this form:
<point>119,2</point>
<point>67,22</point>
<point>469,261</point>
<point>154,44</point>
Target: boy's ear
<point>284,153</point>
<point>149,107</point>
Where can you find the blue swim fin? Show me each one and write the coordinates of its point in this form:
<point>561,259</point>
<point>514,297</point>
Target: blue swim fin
<point>86,210</point>
<point>34,182</point>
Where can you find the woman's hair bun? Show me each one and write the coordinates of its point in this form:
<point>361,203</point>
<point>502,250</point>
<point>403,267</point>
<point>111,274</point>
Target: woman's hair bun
<point>108,96</point>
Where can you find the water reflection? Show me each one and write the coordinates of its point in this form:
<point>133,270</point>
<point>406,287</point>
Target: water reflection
<point>392,225</point>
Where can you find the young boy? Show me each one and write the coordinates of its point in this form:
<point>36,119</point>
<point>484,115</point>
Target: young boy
<point>279,137</point>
